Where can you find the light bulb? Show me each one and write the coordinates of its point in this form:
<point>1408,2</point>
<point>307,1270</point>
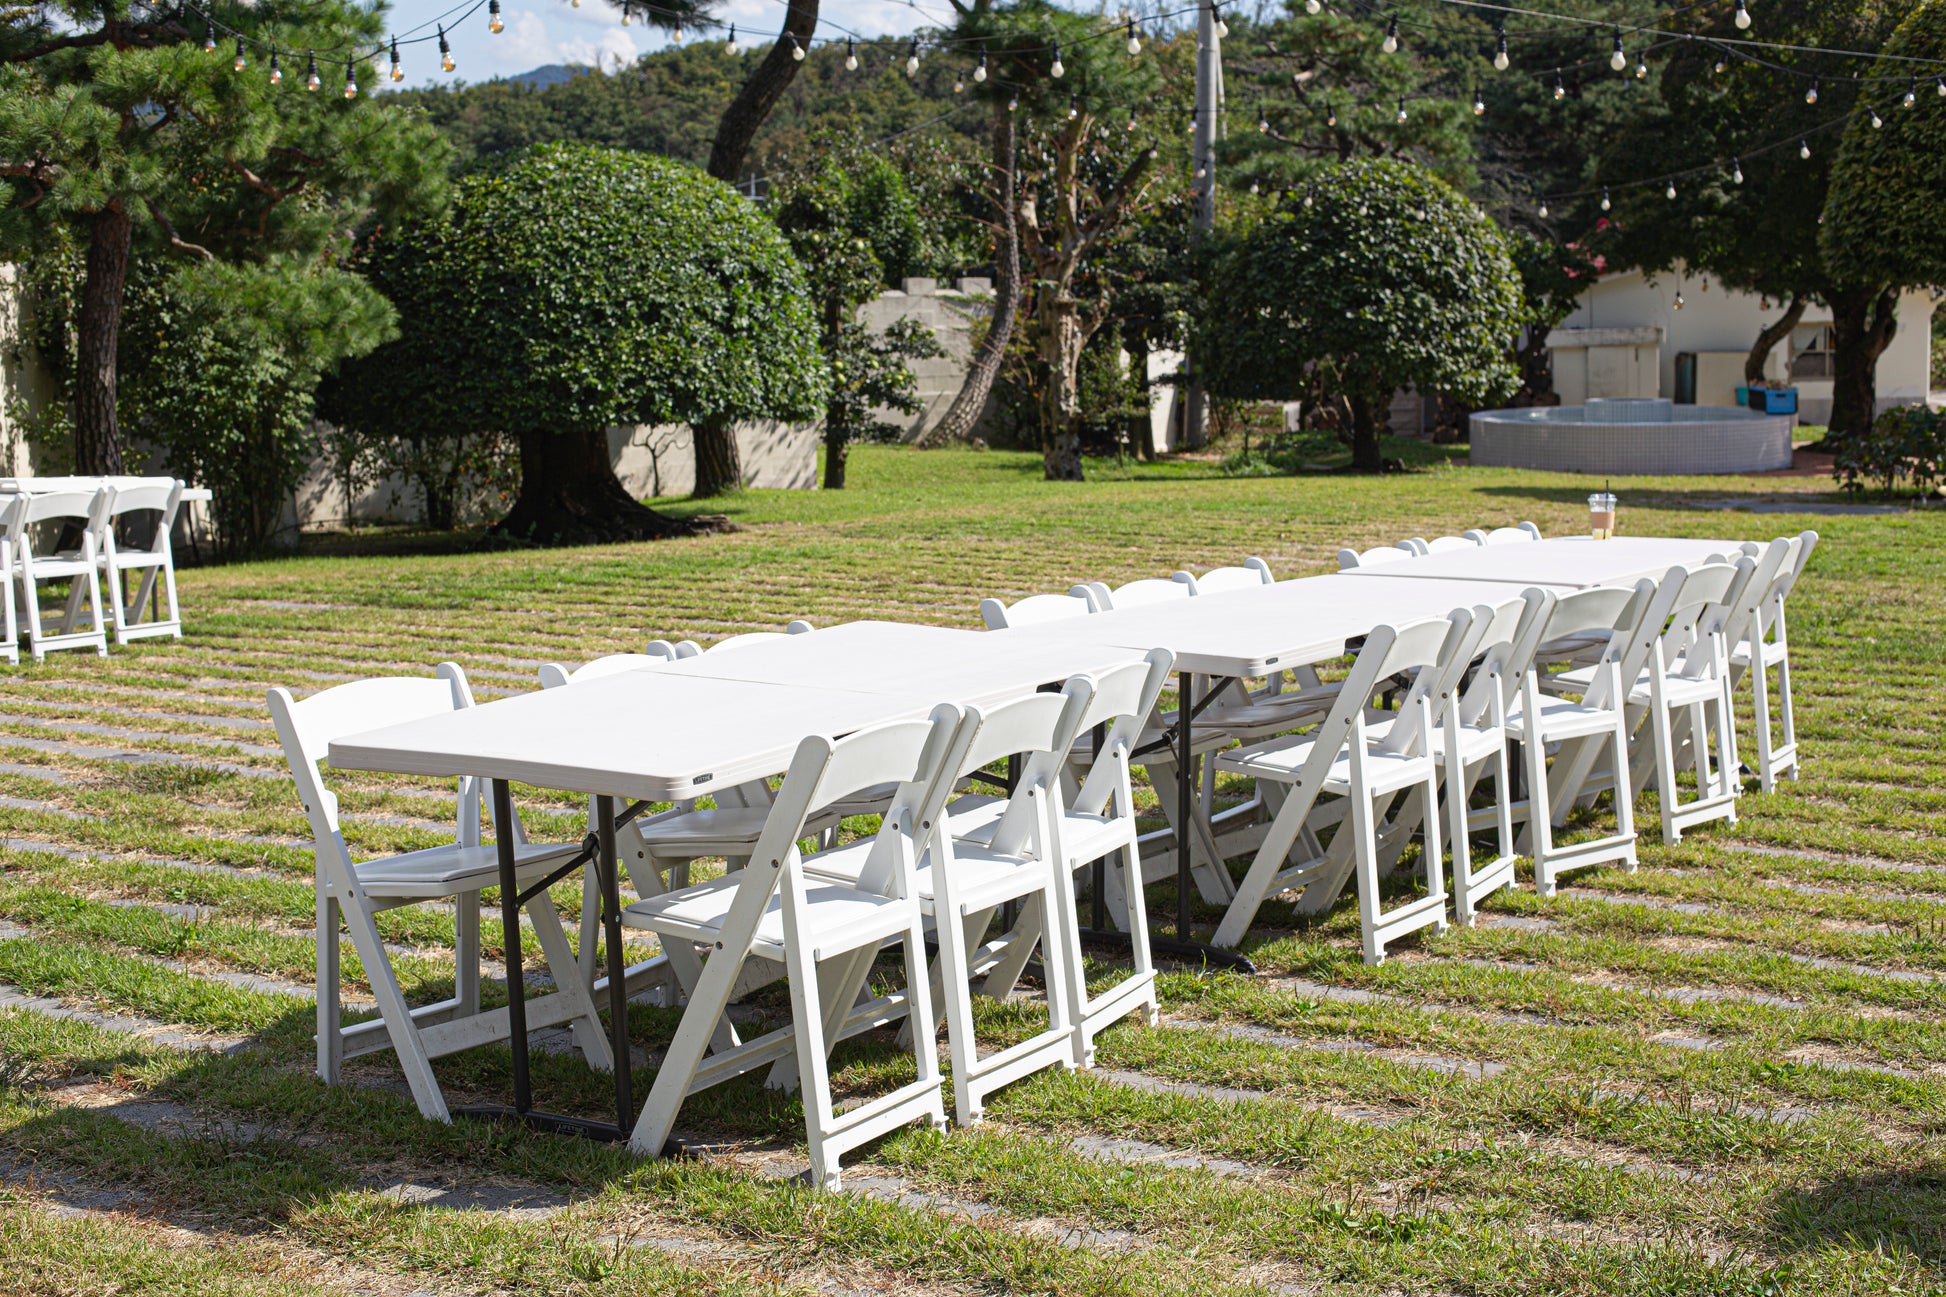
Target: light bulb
<point>1263,124</point>
<point>1401,112</point>
<point>1736,170</point>
<point>1721,63</point>
<point>242,62</point>
<point>445,52</point>
<point>1811,95</point>
<point>1619,59</point>
<point>1911,93</point>
<point>1313,7</point>
<point>1670,192</point>
<point>1074,108</point>
<point>1642,66</point>
<point>1192,120</point>
<point>1479,105</point>
<point>276,73</point>
<point>627,18</point>
<point>311,81</point>
<point>209,38</point>
<point>1877,121</point>
<point>1131,121</point>
<point>1560,88</point>
<point>729,46</point>
<point>1307,199</point>
<point>912,60</point>
<point>1013,104</point>
<point>676,33</point>
<point>1743,16</point>
<point>1222,28</point>
<point>1543,212</point>
<point>797,50</point>
<point>959,85</point>
<point>1391,43</point>
<point>494,24</point>
<point>1330,115</point>
<point>351,81</point>
<point>980,72</point>
<point>1057,69</point>
<point>1678,299</point>
<point>1604,198</point>
<point>1134,41</point>
<point>1201,171</point>
<point>1255,188</point>
<point>1942,87</point>
<point>1500,59</point>
<point>1803,147</point>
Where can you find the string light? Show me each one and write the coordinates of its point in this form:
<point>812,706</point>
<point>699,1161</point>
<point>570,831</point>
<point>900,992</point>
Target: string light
<point>627,18</point>
<point>676,34</point>
<point>1013,104</point>
<point>1313,7</point>
<point>959,84</point>
<point>1500,59</point>
<point>1670,192</point>
<point>729,46</point>
<point>351,80</point>
<point>1743,16</point>
<point>1912,93</point>
<point>1604,198</point>
<point>276,73</point>
<point>1263,123</point>
<point>1642,64</point>
<point>241,62</point>
<point>496,26</point>
<point>1678,299</point>
<point>1134,41</point>
<point>446,51</point>
<point>1543,211</point>
<point>1811,95</point>
<point>1391,43</point>
<point>398,73</point>
<point>912,59</point>
<point>1877,121</point>
<point>311,81</point>
<point>797,50</point>
<point>1560,87</point>
<point>1721,64</point>
<point>1803,148</point>
<point>1479,104</point>
<point>1222,28</point>
<point>1330,114</point>
<point>1401,112</point>
<point>1736,170</point>
<point>1255,188</point>
<point>1131,121</point>
<point>980,72</point>
<point>1619,59</point>
<point>209,37</point>
<point>1942,87</point>
<point>1074,108</point>
<point>1057,69</point>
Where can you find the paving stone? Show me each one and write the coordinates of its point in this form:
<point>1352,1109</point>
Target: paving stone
<point>1135,1152</point>
<point>123,732</point>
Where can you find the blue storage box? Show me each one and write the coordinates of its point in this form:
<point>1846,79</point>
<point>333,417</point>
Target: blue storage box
<point>1743,396</point>
<point>1774,400</point>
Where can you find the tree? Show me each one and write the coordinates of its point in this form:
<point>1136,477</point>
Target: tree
<point>575,289</point>
<point>1884,222</point>
<point>1552,279</point>
<point>124,136</point>
<point>855,227</point>
<point>1378,276</point>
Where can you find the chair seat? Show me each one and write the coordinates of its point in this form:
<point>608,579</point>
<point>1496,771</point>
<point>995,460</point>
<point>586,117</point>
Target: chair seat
<point>983,878</point>
<point>452,870</point>
<point>1677,691</point>
<point>837,918</point>
<point>1282,762</point>
<point>725,831</point>
<point>1474,744</point>
<point>1774,653</point>
<point>1084,838</point>
<point>1561,718</point>
<point>69,562</point>
<point>1275,712</point>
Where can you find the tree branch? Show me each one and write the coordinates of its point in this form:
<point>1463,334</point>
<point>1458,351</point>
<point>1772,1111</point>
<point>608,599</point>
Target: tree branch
<point>176,240</point>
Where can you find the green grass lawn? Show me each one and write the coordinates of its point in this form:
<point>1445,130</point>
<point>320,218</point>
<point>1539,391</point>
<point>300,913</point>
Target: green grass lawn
<point>1722,1074</point>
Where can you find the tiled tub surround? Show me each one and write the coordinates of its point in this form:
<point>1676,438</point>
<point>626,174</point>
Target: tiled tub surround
<point>1633,435</point>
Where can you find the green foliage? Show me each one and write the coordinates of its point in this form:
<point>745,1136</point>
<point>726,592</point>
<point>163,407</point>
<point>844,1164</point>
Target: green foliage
<point>228,358</point>
<point>1885,221</point>
<point>578,288</point>
<point>1552,279</point>
<point>1907,444</point>
<point>1377,277</point>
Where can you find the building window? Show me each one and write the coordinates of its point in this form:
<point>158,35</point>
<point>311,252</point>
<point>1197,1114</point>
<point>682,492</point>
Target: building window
<point>1811,351</point>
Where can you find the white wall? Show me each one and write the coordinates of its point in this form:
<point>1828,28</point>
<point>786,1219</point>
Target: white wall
<point>1716,320</point>
<point>951,314</point>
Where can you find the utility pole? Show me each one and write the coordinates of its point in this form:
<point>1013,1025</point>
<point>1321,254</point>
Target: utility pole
<point>1209,113</point>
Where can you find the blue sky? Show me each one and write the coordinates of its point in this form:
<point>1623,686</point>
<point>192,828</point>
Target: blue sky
<point>540,32</point>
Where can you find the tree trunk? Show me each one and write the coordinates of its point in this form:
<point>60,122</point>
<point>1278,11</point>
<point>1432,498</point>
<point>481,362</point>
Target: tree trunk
<point>1365,456</point>
<point>1863,322</point>
<point>569,495</point>
<point>719,464</point>
<point>957,423</point>
<point>1140,426</point>
<point>837,449</point>
<point>97,431</point>
<point>1769,336</point>
<point>1060,345</point>
<point>747,112</point>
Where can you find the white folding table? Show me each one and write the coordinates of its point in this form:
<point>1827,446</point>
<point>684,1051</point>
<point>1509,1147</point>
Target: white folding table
<point>1565,563</point>
<point>683,729</point>
<point>1253,632</point>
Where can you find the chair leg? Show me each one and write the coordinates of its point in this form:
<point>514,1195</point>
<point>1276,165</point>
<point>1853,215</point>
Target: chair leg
<point>589,1033</point>
<point>814,1068</point>
<point>1264,868</point>
<point>1787,720</point>
<point>1138,935</point>
<point>962,1047</point>
<point>466,954</point>
<point>404,1033</point>
<point>1760,719</point>
<point>1364,847</point>
<point>331,1040</point>
<point>1540,822</point>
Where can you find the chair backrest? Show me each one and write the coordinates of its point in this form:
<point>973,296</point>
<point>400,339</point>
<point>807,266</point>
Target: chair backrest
<point>1705,607</point>
<point>155,493</point>
<point>1044,726</point>
<point>1440,544</point>
<point>12,509</point>
<point>307,727</point>
<point>1526,531</point>
<point>90,506</point>
<point>1636,636</point>
<point>1148,590</point>
<point>1506,651</point>
<point>799,627</point>
<point>1388,650</point>
<point>1437,683</point>
<point>554,674</point>
<point>1254,572</point>
<point>1350,558</point>
<point>1125,698</point>
<point>1033,610</point>
<point>913,754</point>
<point>1772,563</point>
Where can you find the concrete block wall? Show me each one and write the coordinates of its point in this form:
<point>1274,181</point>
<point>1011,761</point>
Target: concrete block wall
<point>953,314</point>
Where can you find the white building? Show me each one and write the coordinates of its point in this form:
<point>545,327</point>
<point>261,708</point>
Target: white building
<point>1626,334</point>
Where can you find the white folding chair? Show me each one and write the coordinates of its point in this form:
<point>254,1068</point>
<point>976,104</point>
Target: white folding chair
<point>689,648</point>
<point>1148,590</point>
<point>1526,531</point>
<point>1472,737</point>
<point>1253,573</point>
<point>1033,610</point>
<point>1582,725</point>
<point>1764,646</point>
<point>1440,544</point>
<point>11,509</point>
<point>1351,558</point>
<point>80,566</point>
<point>117,558</point>
<point>355,892</point>
<point>1367,766</point>
<point>826,935</point>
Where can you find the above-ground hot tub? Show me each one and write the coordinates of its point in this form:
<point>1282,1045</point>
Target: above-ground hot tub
<point>1635,435</point>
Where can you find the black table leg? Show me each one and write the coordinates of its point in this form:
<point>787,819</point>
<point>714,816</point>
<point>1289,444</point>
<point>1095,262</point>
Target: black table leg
<point>609,869</point>
<point>503,819</point>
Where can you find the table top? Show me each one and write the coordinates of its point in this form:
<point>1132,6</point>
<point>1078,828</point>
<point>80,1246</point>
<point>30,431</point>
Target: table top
<point>1566,563</point>
<point>686,728</point>
<point>41,485</point>
<point>1254,631</point>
